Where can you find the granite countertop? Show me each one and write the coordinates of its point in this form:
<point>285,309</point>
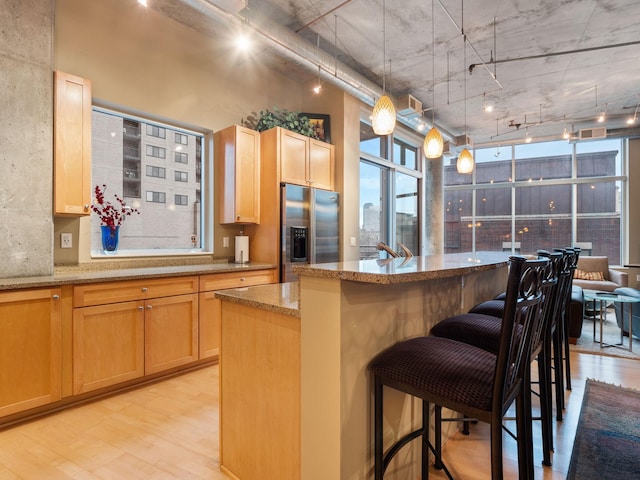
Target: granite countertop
<point>75,276</point>
<point>278,297</point>
<point>404,270</point>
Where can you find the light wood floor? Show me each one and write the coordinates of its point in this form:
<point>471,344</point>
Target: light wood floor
<point>169,431</point>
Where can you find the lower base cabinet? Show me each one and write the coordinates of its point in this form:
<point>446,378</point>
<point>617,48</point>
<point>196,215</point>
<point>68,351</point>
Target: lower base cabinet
<point>170,332</point>
<point>108,345</point>
<point>56,343</point>
<point>30,353</point>
<point>122,341</point>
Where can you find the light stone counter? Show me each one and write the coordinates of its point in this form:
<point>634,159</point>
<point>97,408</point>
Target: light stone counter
<point>405,270</point>
<point>84,276</point>
<point>279,298</point>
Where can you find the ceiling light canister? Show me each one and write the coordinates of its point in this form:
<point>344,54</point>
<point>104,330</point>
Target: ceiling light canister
<point>465,162</point>
<point>383,119</point>
<point>433,144</point>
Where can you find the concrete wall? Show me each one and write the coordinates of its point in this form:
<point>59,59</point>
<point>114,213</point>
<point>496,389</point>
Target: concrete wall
<point>26,141</point>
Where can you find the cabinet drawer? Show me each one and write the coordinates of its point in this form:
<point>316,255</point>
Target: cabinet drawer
<point>220,281</point>
<point>114,292</point>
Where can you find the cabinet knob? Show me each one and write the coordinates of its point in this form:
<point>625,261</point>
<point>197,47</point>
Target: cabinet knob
<point>56,297</point>
<point>140,308</point>
<point>242,279</point>
<point>149,307</point>
<point>86,207</point>
<point>237,217</point>
<point>144,289</point>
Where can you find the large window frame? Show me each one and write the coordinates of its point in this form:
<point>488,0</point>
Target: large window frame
<point>389,154</point>
<point>567,209</point>
<point>137,197</point>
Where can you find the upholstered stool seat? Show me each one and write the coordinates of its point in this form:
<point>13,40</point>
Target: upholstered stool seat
<point>446,368</point>
<point>481,330</point>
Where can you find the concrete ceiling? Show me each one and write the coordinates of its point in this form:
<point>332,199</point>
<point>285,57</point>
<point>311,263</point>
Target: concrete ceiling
<point>558,63</point>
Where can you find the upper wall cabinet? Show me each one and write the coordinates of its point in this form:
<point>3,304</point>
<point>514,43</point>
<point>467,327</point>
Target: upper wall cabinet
<point>303,160</point>
<point>237,153</point>
<point>72,145</point>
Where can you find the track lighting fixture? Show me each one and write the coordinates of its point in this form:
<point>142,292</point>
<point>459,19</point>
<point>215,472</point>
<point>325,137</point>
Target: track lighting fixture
<point>632,120</point>
<point>487,107</point>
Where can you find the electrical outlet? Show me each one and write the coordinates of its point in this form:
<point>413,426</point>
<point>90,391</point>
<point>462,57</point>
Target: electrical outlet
<point>637,278</point>
<point>352,241</point>
<point>225,242</point>
<point>66,240</point>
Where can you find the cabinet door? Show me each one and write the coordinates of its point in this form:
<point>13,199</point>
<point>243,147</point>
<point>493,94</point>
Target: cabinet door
<point>171,332</point>
<point>72,145</point>
<point>209,334</point>
<point>321,158</point>
<point>293,157</point>
<point>238,155</point>
<point>30,349</point>
<point>108,345</point>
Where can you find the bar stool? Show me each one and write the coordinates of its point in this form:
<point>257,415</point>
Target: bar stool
<point>481,328</point>
<point>465,378</point>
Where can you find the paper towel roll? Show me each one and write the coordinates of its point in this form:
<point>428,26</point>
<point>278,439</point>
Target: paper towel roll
<point>242,249</point>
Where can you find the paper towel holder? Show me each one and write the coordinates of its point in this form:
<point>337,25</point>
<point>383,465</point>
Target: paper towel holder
<point>242,248</point>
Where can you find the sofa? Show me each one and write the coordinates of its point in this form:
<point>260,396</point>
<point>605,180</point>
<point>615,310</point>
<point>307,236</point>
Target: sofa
<point>635,310</point>
<point>576,314</point>
<point>593,273</point>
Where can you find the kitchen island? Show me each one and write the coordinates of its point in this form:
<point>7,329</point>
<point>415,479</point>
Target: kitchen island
<point>348,312</point>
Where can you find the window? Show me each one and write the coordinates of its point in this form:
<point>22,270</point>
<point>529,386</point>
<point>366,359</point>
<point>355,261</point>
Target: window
<point>119,145</point>
<point>181,157</point>
<point>389,193</point>
<point>156,197</point>
<point>182,139</point>
<point>158,172</point>
<point>156,131</point>
<point>158,152</point>
<point>538,195</point>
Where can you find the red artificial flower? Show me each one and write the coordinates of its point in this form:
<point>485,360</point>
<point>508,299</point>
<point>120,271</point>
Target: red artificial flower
<point>109,214</point>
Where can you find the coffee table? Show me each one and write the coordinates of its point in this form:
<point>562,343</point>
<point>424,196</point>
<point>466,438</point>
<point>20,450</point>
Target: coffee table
<point>604,297</point>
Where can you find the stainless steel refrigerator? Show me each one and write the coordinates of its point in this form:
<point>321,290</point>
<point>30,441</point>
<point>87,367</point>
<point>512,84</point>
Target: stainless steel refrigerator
<point>309,228</point>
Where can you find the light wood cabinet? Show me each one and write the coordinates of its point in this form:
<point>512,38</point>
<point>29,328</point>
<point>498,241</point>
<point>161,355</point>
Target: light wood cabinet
<point>170,332</point>
<point>210,306</point>
<point>125,330</point>
<point>237,154</point>
<point>108,345</point>
<point>321,164</point>
<point>30,349</point>
<point>72,145</point>
<point>303,160</point>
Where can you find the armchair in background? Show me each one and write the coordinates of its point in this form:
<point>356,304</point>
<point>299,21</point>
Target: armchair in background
<point>593,273</point>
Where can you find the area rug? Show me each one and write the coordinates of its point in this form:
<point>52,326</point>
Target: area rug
<point>611,335</point>
<point>607,443</point>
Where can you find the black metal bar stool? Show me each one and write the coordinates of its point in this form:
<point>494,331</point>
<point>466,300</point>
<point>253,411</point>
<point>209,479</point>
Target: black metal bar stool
<point>465,378</point>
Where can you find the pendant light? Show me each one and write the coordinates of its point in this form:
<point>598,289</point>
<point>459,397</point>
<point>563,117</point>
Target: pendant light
<point>465,161</point>
<point>383,119</point>
<point>433,143</point>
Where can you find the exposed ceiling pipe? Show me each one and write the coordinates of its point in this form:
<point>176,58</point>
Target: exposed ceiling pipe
<point>553,54</point>
<point>304,54</point>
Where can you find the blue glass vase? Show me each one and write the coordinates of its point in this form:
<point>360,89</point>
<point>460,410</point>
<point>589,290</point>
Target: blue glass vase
<point>110,239</point>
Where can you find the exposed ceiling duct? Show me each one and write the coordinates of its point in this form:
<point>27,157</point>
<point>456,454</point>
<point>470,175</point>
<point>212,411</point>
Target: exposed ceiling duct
<point>293,47</point>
